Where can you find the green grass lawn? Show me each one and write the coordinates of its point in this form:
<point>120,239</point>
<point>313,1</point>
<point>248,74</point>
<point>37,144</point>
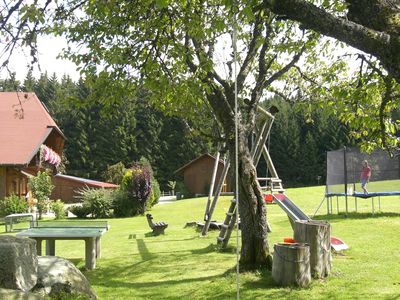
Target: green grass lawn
<point>182,264</point>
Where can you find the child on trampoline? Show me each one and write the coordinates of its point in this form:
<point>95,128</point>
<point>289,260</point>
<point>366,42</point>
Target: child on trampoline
<point>365,176</point>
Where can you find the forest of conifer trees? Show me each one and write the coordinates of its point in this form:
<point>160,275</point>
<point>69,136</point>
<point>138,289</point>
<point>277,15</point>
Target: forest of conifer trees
<point>99,136</point>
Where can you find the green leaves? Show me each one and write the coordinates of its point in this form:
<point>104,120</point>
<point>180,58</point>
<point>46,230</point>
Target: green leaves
<point>162,3</point>
<point>247,12</point>
<point>181,53</point>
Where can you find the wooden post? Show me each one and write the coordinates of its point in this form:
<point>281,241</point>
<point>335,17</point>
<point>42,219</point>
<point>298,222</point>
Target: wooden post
<point>90,253</point>
<point>317,234</point>
<point>291,264</point>
<point>216,195</point>
<point>51,247</point>
<point>211,191</point>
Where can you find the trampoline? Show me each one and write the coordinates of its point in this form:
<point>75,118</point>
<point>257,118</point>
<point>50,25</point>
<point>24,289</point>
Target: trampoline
<point>343,177</point>
<point>376,194</point>
<point>356,195</point>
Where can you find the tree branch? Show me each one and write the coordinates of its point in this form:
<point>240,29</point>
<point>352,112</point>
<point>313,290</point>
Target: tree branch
<point>251,53</point>
<point>380,44</point>
<point>319,20</point>
<point>387,97</point>
<point>286,68</point>
<point>4,20</point>
<point>263,68</point>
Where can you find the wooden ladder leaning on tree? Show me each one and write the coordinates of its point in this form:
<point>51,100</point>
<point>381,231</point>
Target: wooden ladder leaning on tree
<point>272,184</point>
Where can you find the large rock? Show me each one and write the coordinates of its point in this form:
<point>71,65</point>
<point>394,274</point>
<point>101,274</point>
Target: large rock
<point>18,263</point>
<point>58,276</point>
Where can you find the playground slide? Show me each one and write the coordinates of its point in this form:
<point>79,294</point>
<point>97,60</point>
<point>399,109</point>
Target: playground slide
<point>295,213</point>
<point>291,209</point>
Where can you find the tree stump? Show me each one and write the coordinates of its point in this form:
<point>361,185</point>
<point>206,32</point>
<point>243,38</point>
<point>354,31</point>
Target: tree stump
<point>317,234</point>
<point>291,264</point>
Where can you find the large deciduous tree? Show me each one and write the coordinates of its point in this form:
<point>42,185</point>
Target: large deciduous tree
<point>181,52</point>
<point>372,26</point>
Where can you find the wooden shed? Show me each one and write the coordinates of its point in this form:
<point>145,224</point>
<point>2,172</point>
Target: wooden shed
<point>197,174</point>
<point>67,187</point>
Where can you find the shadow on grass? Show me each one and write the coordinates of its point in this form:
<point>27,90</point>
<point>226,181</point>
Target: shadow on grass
<point>161,279</point>
<point>167,241</point>
<point>275,291</point>
<point>143,250</point>
<point>264,281</point>
<point>210,248</point>
<point>170,281</point>
<point>79,263</point>
<point>163,274</point>
<point>150,234</point>
<point>355,216</point>
<point>133,236</point>
<point>146,255</point>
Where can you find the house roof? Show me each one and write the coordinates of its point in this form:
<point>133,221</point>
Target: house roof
<point>25,124</point>
<point>180,170</point>
<point>88,182</point>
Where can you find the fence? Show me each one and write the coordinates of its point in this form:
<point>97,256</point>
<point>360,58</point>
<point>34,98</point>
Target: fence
<point>167,193</point>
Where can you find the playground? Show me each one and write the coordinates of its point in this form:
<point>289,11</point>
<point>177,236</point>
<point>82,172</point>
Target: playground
<point>183,264</point>
<point>268,87</point>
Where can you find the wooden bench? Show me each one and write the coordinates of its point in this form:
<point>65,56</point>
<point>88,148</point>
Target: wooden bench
<point>158,228</point>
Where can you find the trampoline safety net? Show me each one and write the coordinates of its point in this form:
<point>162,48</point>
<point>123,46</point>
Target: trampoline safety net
<point>346,165</point>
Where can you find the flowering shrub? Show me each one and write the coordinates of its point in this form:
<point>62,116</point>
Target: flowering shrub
<point>135,190</point>
<point>141,185</point>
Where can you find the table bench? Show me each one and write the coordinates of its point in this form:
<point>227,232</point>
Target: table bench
<point>9,220</point>
<point>91,234</point>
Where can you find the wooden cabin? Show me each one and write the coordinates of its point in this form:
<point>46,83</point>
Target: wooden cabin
<point>26,128</point>
<point>30,141</point>
<point>197,174</point>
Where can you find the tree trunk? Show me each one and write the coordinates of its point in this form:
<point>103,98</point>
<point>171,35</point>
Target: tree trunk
<point>317,234</point>
<point>291,264</point>
<point>253,216</point>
